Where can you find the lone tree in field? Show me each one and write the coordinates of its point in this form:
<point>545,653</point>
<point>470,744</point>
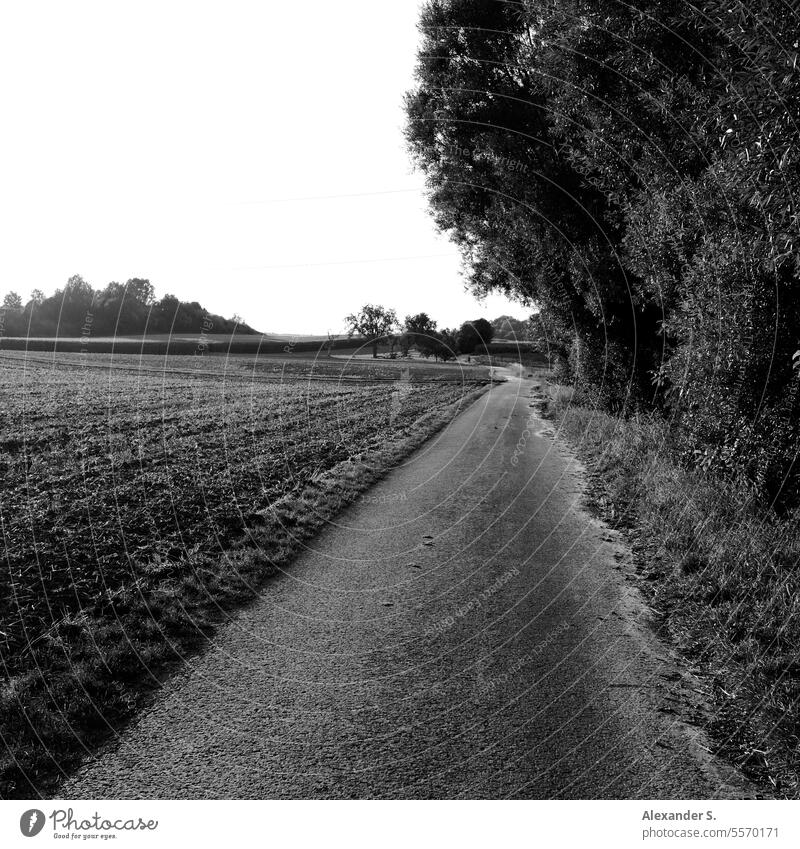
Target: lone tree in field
<point>373,322</point>
<point>415,329</point>
<point>420,324</point>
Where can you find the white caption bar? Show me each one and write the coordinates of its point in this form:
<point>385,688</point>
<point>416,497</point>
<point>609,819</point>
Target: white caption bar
<point>374,825</point>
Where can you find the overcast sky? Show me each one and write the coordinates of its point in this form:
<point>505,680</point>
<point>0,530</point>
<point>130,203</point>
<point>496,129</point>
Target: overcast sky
<point>246,155</point>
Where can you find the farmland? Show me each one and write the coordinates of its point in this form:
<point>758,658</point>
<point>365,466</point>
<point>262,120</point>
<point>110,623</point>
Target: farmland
<point>241,343</point>
<point>144,496</point>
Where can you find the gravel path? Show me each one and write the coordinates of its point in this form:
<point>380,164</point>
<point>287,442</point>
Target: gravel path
<point>466,630</point>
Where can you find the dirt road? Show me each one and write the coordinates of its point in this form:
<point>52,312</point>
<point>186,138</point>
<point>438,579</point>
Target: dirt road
<point>466,630</point>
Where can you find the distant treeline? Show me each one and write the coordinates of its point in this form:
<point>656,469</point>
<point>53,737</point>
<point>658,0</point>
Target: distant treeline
<point>632,169</point>
<point>129,308</point>
<point>514,329</point>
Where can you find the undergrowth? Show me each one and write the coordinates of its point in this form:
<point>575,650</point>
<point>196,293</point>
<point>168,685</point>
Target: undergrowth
<point>719,567</point>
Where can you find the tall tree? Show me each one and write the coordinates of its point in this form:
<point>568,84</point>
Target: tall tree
<point>630,169</point>
<point>416,328</point>
<point>372,321</point>
<point>475,334</point>
<point>420,323</point>
<point>13,302</point>
<point>526,220</point>
<point>141,290</point>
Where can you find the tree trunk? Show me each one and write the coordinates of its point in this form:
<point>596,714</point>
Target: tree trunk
<point>375,350</point>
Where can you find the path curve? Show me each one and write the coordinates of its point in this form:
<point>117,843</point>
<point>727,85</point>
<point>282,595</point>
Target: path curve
<point>466,630</point>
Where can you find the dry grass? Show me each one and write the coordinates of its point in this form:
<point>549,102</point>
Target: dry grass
<point>720,568</point>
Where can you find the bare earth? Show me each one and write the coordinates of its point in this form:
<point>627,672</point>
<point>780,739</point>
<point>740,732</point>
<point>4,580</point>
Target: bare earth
<point>466,630</point>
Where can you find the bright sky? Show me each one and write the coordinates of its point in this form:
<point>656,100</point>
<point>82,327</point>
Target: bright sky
<point>208,146</point>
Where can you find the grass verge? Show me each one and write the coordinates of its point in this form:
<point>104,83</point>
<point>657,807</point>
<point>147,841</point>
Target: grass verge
<point>91,672</point>
<point>721,571</point>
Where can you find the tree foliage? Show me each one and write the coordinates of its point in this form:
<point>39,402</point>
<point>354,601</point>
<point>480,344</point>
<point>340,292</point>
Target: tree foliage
<point>514,329</point>
<point>128,308</point>
<point>12,302</point>
<point>419,324</point>
<point>439,344</point>
<point>416,328</point>
<point>631,170</point>
<point>474,335</point>
<point>373,322</point>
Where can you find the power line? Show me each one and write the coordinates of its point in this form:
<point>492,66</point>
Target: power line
<point>343,262</point>
<point>330,197</point>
